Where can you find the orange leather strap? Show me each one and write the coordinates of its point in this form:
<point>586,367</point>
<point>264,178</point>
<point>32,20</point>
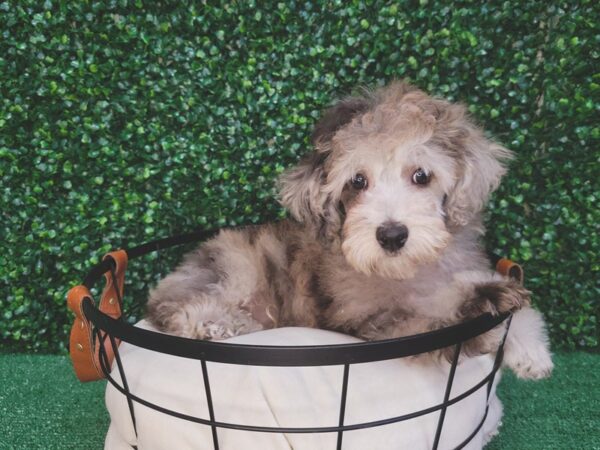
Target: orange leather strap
<point>81,345</point>
<point>84,346</point>
<point>510,269</point>
<point>112,295</point>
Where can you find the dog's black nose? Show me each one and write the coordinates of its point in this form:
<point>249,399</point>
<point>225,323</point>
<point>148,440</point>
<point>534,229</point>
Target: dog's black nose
<point>392,236</point>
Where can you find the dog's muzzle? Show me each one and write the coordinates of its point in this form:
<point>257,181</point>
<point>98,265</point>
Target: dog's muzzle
<point>392,236</point>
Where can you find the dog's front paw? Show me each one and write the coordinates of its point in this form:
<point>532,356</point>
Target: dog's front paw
<point>212,331</point>
<point>498,297</point>
<point>532,362</point>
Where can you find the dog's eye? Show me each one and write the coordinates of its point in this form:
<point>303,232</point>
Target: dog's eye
<point>359,181</point>
<point>421,177</point>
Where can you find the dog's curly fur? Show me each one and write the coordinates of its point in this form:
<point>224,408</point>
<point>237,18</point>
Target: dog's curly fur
<point>393,161</point>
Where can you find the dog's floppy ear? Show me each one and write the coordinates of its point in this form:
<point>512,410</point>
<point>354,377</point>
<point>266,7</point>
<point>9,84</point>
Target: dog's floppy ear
<point>480,171</point>
<point>300,188</point>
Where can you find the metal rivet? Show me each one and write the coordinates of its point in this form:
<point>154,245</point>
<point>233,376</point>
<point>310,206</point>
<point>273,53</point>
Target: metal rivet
<point>111,300</point>
<point>79,347</point>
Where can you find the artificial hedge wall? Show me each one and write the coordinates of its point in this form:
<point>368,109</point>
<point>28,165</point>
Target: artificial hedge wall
<point>125,121</point>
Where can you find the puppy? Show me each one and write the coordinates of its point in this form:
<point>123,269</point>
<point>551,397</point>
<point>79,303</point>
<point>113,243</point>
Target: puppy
<point>383,241</point>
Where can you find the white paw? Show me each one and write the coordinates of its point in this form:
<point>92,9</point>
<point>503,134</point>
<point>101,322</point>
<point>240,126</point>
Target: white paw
<point>213,331</point>
<point>211,319</point>
<point>234,323</point>
<point>530,363</point>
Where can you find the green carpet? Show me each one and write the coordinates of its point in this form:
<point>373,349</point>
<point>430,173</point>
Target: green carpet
<point>43,406</point>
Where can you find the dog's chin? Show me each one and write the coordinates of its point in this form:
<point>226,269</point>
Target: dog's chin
<point>393,266</point>
<point>425,245</point>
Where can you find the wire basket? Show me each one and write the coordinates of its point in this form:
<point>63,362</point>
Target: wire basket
<point>99,329</point>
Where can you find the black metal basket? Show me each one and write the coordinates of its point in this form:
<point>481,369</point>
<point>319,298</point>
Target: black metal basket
<point>107,331</point>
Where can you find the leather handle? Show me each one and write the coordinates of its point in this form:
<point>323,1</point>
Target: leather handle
<point>81,341</point>
<point>84,347</point>
<point>112,295</point>
<point>510,269</point>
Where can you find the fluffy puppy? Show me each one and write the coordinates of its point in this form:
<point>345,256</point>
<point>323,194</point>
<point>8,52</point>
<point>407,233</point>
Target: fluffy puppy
<point>383,241</point>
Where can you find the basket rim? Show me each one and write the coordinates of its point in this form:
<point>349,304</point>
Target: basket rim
<point>271,355</point>
<point>291,355</point>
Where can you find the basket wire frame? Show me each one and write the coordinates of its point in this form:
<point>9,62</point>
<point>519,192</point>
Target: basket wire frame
<point>106,327</point>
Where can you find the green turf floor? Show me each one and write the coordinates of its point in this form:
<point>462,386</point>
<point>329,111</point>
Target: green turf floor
<point>43,406</point>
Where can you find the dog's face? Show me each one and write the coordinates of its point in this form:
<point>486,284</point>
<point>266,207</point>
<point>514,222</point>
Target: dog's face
<point>394,175</point>
<point>394,184</point>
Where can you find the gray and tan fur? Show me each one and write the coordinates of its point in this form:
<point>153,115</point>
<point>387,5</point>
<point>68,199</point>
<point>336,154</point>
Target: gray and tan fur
<point>383,240</point>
